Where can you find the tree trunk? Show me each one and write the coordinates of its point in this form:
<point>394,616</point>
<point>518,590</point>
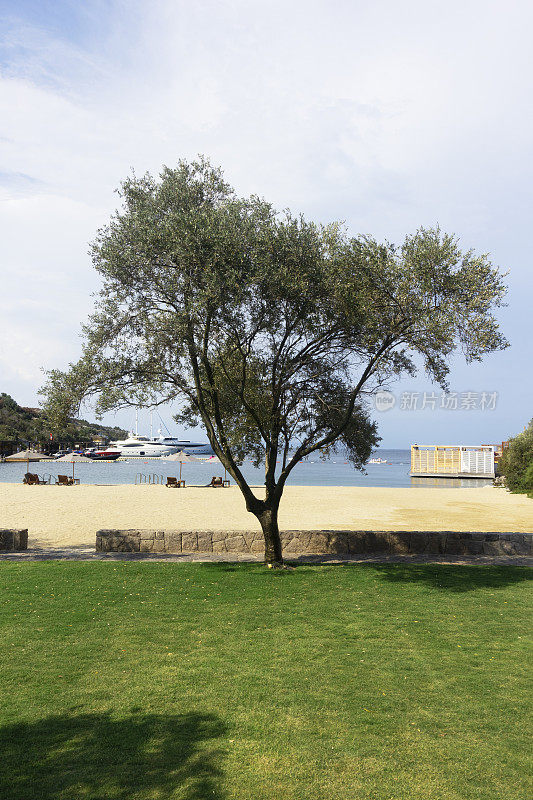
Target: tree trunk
<point>269,524</point>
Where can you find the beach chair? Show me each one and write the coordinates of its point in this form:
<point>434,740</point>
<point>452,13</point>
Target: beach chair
<point>64,480</point>
<point>216,481</point>
<point>174,483</point>
<point>31,479</point>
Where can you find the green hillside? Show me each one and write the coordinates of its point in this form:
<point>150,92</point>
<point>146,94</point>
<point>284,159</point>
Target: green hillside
<point>22,424</point>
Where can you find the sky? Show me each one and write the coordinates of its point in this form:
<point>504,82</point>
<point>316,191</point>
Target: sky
<point>385,115</point>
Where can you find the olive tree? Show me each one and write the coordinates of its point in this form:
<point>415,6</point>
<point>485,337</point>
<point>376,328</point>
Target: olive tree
<point>268,329</point>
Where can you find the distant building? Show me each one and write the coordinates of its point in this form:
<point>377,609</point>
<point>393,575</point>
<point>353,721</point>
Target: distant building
<point>452,461</point>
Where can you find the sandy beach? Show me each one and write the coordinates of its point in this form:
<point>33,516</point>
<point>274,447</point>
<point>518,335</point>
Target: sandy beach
<point>60,516</point>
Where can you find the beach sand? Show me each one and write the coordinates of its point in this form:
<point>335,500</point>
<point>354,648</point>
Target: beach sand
<point>59,516</point>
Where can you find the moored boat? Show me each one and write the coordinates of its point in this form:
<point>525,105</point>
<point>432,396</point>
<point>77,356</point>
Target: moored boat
<point>108,454</point>
<point>136,446</point>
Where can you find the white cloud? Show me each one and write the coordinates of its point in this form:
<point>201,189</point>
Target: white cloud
<point>389,115</point>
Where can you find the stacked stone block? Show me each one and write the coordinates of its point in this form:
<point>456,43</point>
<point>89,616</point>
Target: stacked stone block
<point>12,539</point>
<point>324,542</point>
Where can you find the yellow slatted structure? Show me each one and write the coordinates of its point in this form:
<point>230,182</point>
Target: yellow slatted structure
<point>451,460</point>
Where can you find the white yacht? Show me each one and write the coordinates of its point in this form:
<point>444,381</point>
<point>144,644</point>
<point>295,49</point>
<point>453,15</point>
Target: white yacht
<point>191,448</point>
<point>136,446</point>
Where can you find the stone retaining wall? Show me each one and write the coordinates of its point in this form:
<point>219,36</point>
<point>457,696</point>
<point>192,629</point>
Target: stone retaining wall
<point>316,542</point>
<point>12,539</point>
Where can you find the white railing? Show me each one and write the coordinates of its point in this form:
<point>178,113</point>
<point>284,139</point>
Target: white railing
<point>150,478</point>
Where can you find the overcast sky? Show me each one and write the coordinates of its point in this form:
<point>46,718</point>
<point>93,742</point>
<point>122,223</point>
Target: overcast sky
<point>387,115</point>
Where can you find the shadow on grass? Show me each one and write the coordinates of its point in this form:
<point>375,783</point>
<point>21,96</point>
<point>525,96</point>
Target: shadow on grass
<point>95,756</point>
<point>450,578</point>
<point>446,577</point>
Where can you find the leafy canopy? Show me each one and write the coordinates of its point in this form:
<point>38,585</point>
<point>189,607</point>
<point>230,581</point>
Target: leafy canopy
<point>267,328</point>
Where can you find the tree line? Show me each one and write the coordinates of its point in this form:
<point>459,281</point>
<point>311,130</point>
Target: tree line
<point>20,424</point>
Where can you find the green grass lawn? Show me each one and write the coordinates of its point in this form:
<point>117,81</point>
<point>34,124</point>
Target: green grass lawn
<point>143,681</point>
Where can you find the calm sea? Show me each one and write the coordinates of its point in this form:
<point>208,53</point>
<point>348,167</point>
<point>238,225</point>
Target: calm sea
<point>314,472</point>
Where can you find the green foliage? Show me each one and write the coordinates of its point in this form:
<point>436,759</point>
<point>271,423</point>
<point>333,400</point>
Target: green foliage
<point>31,425</point>
<point>269,330</point>
<point>528,480</point>
<point>516,462</point>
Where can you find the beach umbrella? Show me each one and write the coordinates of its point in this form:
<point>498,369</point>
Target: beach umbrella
<point>27,456</point>
<point>74,458</point>
<point>216,460</point>
<point>181,457</point>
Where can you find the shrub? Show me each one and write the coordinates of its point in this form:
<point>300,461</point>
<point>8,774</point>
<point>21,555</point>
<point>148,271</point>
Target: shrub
<point>529,480</point>
<point>516,462</point>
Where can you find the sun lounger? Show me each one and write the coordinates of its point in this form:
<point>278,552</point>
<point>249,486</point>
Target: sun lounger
<point>216,481</point>
<point>64,480</point>
<point>175,483</point>
<point>31,479</point>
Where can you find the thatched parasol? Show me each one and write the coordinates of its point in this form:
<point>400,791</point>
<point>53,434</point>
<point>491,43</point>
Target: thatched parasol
<point>216,460</point>
<point>74,458</point>
<point>27,455</point>
<point>181,457</point>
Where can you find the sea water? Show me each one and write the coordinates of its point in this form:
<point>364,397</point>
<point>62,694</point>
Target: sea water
<point>314,471</point>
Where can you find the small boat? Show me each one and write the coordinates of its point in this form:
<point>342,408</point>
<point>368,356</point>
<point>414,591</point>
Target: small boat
<point>377,461</point>
<point>110,454</point>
